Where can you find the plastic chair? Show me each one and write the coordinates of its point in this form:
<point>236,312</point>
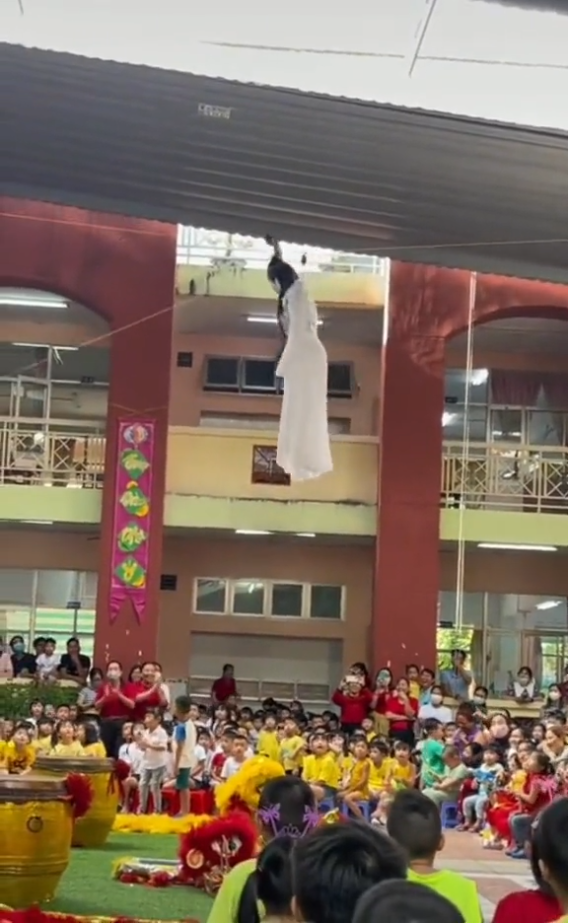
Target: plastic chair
<point>365,807</point>
<point>327,805</point>
<point>449,816</point>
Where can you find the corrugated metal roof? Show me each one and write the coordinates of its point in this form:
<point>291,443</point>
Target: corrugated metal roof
<point>314,169</point>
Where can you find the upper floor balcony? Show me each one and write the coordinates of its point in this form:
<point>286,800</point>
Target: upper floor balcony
<point>217,264</point>
<point>217,478</point>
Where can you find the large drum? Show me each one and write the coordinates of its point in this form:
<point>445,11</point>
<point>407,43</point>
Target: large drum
<point>36,826</point>
<point>91,830</point>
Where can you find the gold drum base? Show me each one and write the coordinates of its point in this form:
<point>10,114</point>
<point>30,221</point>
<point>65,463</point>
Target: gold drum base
<point>36,825</point>
<point>91,831</point>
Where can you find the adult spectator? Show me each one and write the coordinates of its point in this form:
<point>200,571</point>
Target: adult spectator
<point>353,701</point>
<point>23,663</point>
<point>74,664</point>
<point>147,694</point>
<point>456,681</point>
<point>113,706</point>
<point>401,710</point>
<point>225,687</point>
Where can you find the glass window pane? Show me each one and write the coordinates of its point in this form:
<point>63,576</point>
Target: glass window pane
<point>451,639</point>
<point>454,421</point>
<point>326,602</point>
<point>472,609</point>
<point>16,587</point>
<point>210,595</point>
<point>15,622</point>
<point>545,427</point>
<point>513,612</point>
<point>457,380</point>
<point>248,597</point>
<point>57,588</point>
<point>287,599</point>
<point>506,425</point>
<point>86,619</point>
<point>55,621</point>
<point>505,658</point>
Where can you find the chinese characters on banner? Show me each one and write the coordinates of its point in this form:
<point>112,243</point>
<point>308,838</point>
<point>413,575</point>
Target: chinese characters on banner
<point>132,516</point>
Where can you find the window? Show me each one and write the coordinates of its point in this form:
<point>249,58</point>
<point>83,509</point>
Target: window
<point>248,597</point>
<point>265,470</point>
<point>210,595</point>
<point>259,375</point>
<point>42,606</point>
<point>340,379</point>
<point>287,600</point>
<point>326,602</point>
<point>262,597</point>
<point>221,373</point>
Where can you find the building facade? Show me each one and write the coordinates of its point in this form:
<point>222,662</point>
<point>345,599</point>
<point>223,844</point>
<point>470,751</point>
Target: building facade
<point>142,393</point>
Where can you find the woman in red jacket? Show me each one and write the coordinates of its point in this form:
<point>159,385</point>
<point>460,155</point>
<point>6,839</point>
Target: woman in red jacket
<point>401,711</point>
<point>148,694</point>
<point>354,702</point>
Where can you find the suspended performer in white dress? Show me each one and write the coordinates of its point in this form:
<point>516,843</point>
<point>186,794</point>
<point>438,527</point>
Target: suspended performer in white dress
<point>304,450</point>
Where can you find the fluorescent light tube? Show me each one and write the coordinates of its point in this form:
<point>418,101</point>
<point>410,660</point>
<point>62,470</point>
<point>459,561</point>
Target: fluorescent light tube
<point>12,301</point>
<point>70,349</point>
<point>252,532</point>
<point>498,546</point>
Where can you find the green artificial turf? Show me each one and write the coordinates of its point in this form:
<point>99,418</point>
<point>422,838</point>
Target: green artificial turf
<point>87,888</point>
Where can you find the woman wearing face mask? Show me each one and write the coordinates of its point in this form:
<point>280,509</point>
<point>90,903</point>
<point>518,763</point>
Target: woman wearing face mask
<point>500,730</point>
<point>479,701</point>
<point>435,708</point>
<point>113,707</point>
<point>553,701</point>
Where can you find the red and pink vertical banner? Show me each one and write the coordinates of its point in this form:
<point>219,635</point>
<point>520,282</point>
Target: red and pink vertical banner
<point>132,516</point>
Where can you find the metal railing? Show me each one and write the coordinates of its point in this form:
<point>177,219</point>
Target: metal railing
<point>54,456</point>
<point>198,247</point>
<point>505,476</point>
<point>255,691</point>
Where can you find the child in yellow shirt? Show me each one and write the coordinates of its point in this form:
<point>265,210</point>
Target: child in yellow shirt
<point>268,743</point>
<point>380,769</point>
<point>412,676</point>
<point>19,755</point>
<point>65,742</point>
<point>320,769</point>
<point>88,736</point>
<point>43,742</point>
<point>292,748</point>
<point>355,785</point>
<point>402,774</point>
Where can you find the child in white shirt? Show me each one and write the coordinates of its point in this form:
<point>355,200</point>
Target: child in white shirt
<point>154,744</point>
<point>203,757</point>
<point>240,752</point>
<point>48,662</point>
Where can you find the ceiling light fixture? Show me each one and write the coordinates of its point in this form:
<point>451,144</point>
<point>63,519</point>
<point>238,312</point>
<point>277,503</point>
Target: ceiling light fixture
<point>548,604</point>
<point>252,532</point>
<point>478,377</point>
<point>37,522</point>
<point>267,319</point>
<point>306,534</point>
<point>498,546</point>
<point>447,418</point>
<point>69,349</point>
<point>15,298</point>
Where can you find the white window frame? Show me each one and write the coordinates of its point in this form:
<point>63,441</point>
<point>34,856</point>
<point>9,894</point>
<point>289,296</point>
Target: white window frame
<point>268,586</point>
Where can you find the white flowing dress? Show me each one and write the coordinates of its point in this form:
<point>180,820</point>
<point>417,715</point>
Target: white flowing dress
<point>304,450</point>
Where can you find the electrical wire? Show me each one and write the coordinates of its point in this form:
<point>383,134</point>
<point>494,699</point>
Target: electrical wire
<point>464,458</point>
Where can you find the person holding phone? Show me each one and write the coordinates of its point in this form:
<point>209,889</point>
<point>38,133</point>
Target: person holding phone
<point>383,688</point>
<point>353,701</point>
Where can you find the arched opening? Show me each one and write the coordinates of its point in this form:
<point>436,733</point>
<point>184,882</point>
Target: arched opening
<point>505,426</point>
<point>54,381</point>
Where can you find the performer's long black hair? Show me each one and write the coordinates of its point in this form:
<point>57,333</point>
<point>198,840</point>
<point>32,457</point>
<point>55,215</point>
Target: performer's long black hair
<point>282,277</point>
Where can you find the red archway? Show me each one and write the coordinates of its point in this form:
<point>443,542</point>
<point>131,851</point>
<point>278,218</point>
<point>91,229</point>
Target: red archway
<point>427,306</point>
<point>124,270</point>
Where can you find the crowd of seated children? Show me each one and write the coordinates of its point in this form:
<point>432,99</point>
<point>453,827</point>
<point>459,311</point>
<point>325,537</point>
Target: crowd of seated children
<point>22,741</point>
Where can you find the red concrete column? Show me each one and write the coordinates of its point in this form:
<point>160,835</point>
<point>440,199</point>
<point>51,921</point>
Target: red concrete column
<point>139,388</point>
<point>407,564</point>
